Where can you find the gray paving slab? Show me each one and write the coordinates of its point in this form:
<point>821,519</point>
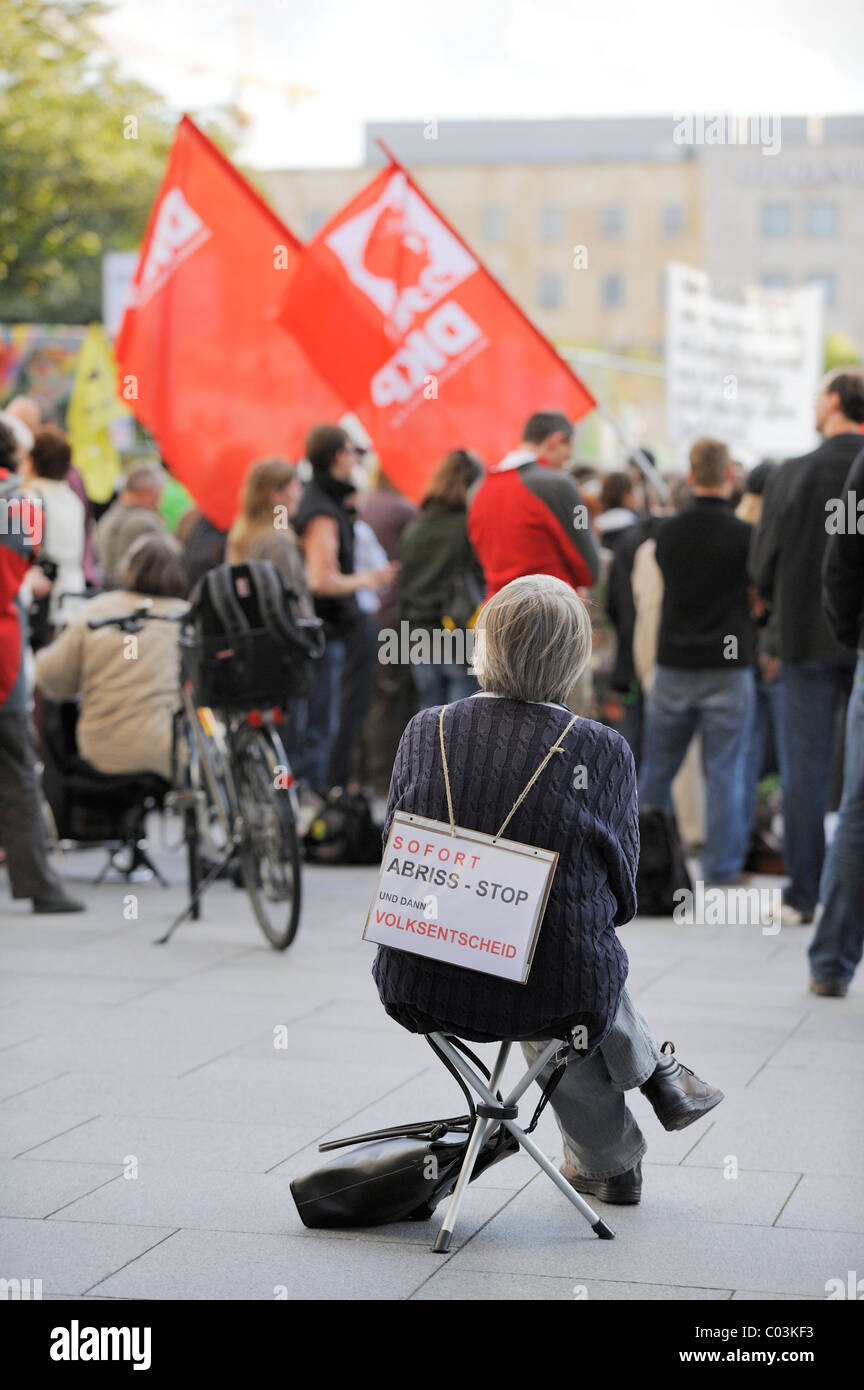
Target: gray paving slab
<point>233,1147</point>
<point>70,1256</point>
<point>826,1203</point>
<point>197,1199</point>
<point>111,1047</point>
<point>155,1055</point>
<point>492,1286</point>
<point>31,1188</point>
<point>20,987</point>
<point>657,1244</point>
<point>22,1130</point>
<point>18,1078</point>
<point>212,1265</point>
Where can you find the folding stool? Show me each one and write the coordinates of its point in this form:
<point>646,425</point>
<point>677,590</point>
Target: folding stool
<point>491,1111</point>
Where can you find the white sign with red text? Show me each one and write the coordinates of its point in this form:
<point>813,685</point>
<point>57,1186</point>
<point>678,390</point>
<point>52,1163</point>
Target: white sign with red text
<point>465,898</point>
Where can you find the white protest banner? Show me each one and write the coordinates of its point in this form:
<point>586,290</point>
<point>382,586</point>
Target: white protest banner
<point>466,898</point>
<point>743,371</point>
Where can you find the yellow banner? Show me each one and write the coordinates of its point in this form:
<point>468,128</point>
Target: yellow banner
<point>92,406</point>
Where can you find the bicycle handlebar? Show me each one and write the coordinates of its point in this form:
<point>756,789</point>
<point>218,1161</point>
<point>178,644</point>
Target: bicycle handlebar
<point>131,622</point>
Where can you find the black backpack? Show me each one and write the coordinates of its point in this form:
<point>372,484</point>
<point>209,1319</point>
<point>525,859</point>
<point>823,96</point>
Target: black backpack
<point>662,867</point>
<point>243,644</point>
<point>343,831</point>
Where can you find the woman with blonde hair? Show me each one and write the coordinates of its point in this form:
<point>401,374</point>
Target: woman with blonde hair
<point>263,530</point>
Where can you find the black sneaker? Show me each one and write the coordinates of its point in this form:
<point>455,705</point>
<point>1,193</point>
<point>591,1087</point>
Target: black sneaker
<point>677,1095</point>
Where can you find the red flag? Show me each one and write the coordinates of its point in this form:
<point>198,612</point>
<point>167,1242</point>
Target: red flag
<point>218,382</point>
<point>417,336</point>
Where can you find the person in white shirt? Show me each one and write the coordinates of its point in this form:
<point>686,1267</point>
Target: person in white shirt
<point>64,522</point>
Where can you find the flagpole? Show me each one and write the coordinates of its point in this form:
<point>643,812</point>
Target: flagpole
<point>633,450</point>
<point>649,471</point>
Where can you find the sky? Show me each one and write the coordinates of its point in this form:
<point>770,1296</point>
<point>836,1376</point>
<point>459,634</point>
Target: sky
<point>360,60</point>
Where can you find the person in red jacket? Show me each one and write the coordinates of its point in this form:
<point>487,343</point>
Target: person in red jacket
<point>22,830</point>
<point>528,516</point>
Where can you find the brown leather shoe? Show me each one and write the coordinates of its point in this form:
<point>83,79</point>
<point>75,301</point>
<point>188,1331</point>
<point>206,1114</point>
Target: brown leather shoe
<point>829,989</point>
<point>678,1097</point>
<point>624,1189</point>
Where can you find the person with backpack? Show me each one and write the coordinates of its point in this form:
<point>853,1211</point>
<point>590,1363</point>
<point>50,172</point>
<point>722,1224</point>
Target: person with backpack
<point>441,583</point>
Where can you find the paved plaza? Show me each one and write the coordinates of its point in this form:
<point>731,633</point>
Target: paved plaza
<point>152,1118</point>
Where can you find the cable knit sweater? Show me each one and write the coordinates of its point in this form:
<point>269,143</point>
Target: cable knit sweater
<point>494,745</point>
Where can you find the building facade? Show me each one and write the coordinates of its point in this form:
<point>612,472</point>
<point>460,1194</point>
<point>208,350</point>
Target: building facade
<point>579,218</point>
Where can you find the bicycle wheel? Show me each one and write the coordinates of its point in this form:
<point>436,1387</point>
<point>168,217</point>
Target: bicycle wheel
<point>270,848</point>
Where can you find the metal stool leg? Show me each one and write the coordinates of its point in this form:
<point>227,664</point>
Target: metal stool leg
<point>487,1094</point>
<point>478,1134</point>
<point>596,1222</point>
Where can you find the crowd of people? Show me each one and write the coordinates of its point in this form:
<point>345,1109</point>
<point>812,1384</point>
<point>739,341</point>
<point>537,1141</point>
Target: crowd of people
<point>725,621</point>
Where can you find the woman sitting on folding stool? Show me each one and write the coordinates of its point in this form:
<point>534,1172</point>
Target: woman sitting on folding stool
<point>532,642</point>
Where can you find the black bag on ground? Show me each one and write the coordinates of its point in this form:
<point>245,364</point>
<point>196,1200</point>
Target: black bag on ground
<point>662,868</point>
<point>402,1178</point>
<point>243,644</point>
<point>404,1172</point>
<point>343,831</point>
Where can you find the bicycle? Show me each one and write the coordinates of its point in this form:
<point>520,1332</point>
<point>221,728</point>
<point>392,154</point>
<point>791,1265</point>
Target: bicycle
<point>232,783</point>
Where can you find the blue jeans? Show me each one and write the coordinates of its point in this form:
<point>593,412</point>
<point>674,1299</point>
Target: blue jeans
<point>720,704</point>
<point>439,683</point>
<point>810,696</point>
<point>763,748</point>
<point>314,741</point>
<point>600,1133</point>
<point>838,943</point>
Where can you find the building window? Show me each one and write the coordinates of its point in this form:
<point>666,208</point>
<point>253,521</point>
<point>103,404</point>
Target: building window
<point>550,291</point>
<point>551,224</point>
<point>612,221</point>
<point>494,223</point>
<point>312,220</point>
<point>774,280</point>
<point>829,288</point>
<point>776,219</point>
<point>673,221</point>
<point>822,219</point>
<point>613,291</point>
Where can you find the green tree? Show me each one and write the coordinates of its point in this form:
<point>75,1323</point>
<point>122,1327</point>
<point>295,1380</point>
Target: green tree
<point>840,351</point>
<point>83,153</point>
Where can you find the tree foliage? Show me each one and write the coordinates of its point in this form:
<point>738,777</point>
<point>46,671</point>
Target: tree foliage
<point>82,153</point>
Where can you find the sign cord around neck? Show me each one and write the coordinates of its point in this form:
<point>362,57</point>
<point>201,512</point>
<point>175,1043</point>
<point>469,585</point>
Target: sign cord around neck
<point>556,748</point>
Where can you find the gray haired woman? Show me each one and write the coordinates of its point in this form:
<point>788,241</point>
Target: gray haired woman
<point>532,642</point>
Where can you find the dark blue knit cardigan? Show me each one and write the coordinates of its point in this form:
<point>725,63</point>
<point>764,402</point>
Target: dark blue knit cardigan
<point>493,748</point>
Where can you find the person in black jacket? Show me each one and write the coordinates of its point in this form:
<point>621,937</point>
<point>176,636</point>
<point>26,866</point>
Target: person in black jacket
<point>325,525</point>
<point>705,652</point>
<point>816,670</point>
<point>838,941</point>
